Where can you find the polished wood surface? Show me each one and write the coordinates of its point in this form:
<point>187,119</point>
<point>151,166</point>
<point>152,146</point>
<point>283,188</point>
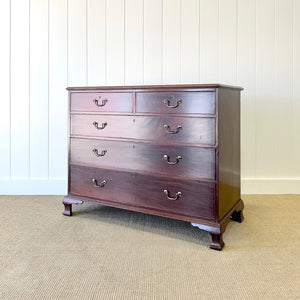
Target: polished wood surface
<point>176,102</point>
<point>145,191</point>
<point>194,163</point>
<point>102,102</point>
<point>193,130</point>
<point>228,150</point>
<point>183,87</point>
<point>172,151</point>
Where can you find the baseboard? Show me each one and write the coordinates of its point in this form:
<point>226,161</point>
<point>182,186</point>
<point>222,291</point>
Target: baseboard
<point>33,187</point>
<point>270,186</point>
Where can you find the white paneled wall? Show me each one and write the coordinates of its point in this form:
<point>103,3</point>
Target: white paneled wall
<point>47,45</point>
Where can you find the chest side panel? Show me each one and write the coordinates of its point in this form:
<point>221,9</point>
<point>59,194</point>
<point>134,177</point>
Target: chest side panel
<point>228,149</point>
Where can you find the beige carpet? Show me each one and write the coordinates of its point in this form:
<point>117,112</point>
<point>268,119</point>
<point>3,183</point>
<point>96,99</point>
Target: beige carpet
<point>106,253</point>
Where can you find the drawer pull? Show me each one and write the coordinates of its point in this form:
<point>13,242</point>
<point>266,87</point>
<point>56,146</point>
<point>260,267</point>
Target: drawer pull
<point>102,126</point>
<point>97,153</point>
<point>167,103</point>
<point>101,185</point>
<point>166,157</point>
<point>97,103</point>
<point>175,131</point>
<point>178,195</point>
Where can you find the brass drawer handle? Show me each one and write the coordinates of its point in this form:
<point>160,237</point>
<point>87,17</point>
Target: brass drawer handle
<point>101,185</point>
<point>167,103</point>
<point>175,131</point>
<point>178,195</point>
<point>167,158</point>
<point>102,126</point>
<point>97,103</point>
<point>97,153</point>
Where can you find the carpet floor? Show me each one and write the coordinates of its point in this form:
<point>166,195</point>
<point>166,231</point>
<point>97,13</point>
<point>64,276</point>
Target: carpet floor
<point>108,253</point>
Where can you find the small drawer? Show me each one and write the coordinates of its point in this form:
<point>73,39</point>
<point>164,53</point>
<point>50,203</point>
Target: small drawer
<point>176,102</point>
<point>166,129</point>
<point>182,197</point>
<point>101,102</point>
<point>174,161</point>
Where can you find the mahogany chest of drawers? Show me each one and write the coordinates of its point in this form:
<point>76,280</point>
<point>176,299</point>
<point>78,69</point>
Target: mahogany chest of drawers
<point>172,151</point>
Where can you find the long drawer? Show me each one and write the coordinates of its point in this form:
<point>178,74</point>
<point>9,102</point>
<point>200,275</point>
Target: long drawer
<point>102,102</point>
<point>188,198</point>
<point>176,102</point>
<point>168,129</point>
<point>176,161</point>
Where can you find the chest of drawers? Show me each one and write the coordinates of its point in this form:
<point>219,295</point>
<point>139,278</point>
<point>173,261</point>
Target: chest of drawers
<point>172,151</point>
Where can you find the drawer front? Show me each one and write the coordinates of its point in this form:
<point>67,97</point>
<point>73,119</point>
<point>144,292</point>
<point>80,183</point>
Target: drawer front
<point>196,200</point>
<point>176,102</point>
<point>183,162</point>
<point>102,102</point>
<point>170,130</point>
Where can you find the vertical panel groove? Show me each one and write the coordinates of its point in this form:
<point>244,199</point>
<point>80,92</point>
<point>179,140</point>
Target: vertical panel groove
<point>10,131</point>
<point>162,41</point>
<point>105,42</point>
<point>58,101</point>
<point>255,97</point>
<point>236,38</point>
<point>296,80</point>
<point>293,52</point>
<point>218,42</point>
<point>29,108</point>
<point>68,29</point>
<point>124,32</point>
<point>86,43</point>
<point>180,45</point>
<point>143,67</point>
<point>276,100</point>
<point>275,50</point>
<point>199,44</point>
<point>255,100</point>
<point>48,91</point>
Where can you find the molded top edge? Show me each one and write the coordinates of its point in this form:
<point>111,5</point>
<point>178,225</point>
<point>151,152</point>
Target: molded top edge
<point>145,87</point>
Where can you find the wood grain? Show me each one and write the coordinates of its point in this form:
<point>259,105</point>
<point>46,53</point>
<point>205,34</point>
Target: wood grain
<point>117,102</point>
<point>197,163</point>
<point>189,102</point>
<point>194,130</point>
<point>229,189</point>
<point>145,191</point>
<point>184,165</point>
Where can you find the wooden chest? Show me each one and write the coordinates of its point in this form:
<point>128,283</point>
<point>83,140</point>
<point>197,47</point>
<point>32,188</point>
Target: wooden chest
<point>172,151</point>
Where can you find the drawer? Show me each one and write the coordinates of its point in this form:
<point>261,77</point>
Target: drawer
<point>176,102</point>
<point>167,129</point>
<point>174,161</point>
<point>102,102</point>
<point>196,200</point>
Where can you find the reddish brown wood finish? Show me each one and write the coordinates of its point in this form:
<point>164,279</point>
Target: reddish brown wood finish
<point>102,102</point>
<point>68,201</point>
<point>182,102</point>
<point>133,131</point>
<point>193,130</point>
<point>145,191</point>
<point>162,88</point>
<point>228,149</point>
<point>195,163</point>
